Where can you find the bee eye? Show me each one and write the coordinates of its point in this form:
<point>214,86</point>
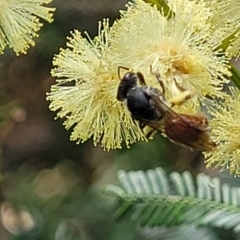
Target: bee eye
<point>128,82</point>
<point>130,78</point>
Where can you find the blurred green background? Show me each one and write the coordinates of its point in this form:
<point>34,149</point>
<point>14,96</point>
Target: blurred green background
<point>52,188</point>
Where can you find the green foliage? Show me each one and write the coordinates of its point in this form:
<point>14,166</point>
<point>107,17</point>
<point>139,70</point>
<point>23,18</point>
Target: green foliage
<point>179,233</point>
<point>162,6</point>
<point>235,75</point>
<point>155,199</point>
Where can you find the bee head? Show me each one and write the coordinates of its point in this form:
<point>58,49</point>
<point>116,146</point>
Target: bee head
<point>127,83</point>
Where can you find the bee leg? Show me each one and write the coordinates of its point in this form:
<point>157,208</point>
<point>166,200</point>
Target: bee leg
<point>158,77</point>
<point>179,87</point>
<point>141,79</point>
<point>181,98</point>
<point>142,125</point>
<point>149,132</point>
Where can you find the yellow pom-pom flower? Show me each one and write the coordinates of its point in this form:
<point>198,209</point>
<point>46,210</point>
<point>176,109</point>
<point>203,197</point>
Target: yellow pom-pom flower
<point>85,93</point>
<point>19,22</point>
<point>182,49</point>
<point>226,133</point>
<point>226,17</point>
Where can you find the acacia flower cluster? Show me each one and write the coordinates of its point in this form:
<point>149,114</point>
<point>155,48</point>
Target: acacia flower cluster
<point>85,93</point>
<point>184,49</point>
<point>20,22</point>
<point>226,133</point>
<point>226,17</point>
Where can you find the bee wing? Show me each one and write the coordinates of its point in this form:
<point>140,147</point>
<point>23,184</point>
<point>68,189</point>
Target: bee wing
<point>187,130</point>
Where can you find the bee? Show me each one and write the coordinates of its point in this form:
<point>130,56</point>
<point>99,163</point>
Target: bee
<point>149,106</point>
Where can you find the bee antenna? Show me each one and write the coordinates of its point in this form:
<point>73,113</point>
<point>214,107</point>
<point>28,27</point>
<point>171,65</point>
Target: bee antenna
<point>119,69</point>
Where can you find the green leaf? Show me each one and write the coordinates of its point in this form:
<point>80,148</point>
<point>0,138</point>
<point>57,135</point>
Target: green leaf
<point>156,199</point>
<point>162,7</point>
<point>235,76</point>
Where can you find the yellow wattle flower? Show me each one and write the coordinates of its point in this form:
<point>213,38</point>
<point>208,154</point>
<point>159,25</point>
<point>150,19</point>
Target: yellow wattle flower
<point>227,18</point>
<point>19,22</point>
<point>226,133</point>
<point>182,49</point>
<point>85,93</point>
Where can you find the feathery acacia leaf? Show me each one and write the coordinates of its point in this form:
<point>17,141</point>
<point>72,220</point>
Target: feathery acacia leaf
<point>185,232</point>
<point>156,199</point>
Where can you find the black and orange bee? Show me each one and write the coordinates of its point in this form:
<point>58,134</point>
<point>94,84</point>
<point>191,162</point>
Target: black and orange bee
<point>149,106</point>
